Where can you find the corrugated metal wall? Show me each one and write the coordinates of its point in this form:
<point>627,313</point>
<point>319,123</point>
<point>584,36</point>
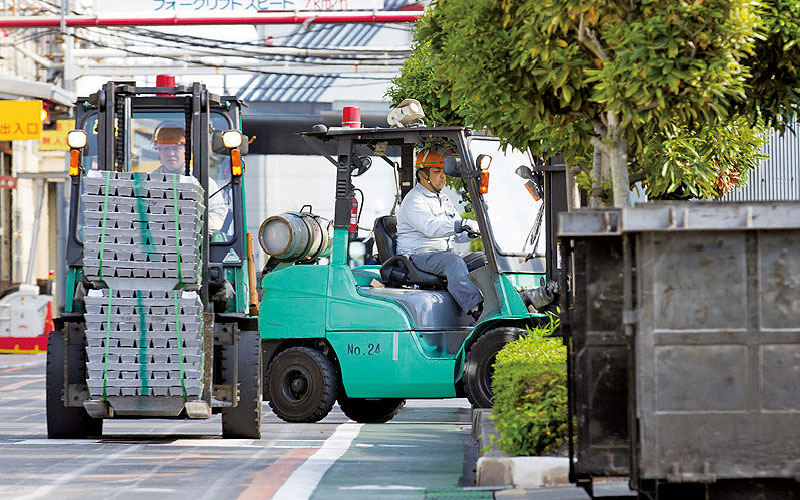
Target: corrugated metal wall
<point>777,178</point>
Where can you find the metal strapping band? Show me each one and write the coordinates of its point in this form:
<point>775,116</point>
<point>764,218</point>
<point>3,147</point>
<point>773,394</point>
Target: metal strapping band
<point>144,383</point>
<point>108,337</point>
<point>180,342</point>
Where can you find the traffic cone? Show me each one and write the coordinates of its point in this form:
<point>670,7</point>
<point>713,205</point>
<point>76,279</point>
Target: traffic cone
<point>48,320</point>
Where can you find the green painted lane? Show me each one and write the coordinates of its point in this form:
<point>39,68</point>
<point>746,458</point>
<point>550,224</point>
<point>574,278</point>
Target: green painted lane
<point>418,455</point>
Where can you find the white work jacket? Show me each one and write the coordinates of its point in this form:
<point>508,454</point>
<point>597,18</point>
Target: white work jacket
<point>426,222</point>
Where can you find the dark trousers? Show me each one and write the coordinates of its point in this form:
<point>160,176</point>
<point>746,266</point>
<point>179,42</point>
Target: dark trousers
<point>455,267</point>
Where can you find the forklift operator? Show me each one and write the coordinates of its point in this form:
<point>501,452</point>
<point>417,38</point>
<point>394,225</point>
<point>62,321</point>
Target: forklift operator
<point>427,224</point>
<point>170,141</point>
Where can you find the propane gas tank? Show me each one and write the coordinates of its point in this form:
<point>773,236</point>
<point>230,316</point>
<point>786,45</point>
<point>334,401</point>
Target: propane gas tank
<point>294,236</point>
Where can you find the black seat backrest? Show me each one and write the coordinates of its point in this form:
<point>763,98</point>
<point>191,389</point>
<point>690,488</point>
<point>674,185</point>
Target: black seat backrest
<point>385,231</point>
<point>398,270</point>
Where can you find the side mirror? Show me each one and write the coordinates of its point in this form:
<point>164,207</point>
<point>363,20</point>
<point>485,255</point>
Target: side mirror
<point>452,166</point>
<point>360,165</point>
<point>525,172</point>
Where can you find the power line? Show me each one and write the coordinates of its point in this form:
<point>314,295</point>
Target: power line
<point>237,67</point>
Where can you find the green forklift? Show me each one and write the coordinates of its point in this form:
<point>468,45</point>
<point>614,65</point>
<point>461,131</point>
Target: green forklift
<point>373,335</point>
<point>143,360</point>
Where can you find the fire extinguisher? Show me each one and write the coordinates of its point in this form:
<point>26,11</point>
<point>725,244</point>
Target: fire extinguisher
<point>353,217</point>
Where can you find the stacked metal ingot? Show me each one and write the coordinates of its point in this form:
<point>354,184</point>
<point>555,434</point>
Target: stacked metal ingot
<point>143,226</point>
<point>144,319</point>
<point>142,343</point>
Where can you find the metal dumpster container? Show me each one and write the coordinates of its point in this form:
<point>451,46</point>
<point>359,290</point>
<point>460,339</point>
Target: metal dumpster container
<point>699,305</point>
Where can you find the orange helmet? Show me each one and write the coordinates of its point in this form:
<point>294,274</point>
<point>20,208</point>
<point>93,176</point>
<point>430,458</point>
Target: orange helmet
<point>429,159</point>
<point>168,135</point>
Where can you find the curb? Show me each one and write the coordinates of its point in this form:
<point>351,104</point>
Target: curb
<point>496,468</point>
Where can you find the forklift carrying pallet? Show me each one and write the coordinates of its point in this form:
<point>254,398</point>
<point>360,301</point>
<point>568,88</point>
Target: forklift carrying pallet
<point>372,336</point>
<point>157,319</point>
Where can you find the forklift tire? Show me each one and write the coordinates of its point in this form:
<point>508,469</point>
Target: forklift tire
<point>302,385</point>
<point>66,422</point>
<point>478,368</point>
<point>243,421</point>
<point>371,411</point>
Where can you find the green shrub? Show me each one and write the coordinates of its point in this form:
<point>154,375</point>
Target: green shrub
<point>530,394</point>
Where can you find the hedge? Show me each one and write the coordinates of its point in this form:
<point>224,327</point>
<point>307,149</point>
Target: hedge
<point>530,394</point>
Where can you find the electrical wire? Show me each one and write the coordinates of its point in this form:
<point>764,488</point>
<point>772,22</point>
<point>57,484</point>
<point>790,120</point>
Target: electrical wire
<point>311,59</point>
<point>244,68</point>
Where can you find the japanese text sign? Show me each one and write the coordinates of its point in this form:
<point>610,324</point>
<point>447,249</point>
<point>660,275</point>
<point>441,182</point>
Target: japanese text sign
<point>20,120</point>
<point>217,7</point>
<point>56,140</point>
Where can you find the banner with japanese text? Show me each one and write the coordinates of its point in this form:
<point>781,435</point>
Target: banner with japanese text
<point>20,120</point>
<point>222,7</point>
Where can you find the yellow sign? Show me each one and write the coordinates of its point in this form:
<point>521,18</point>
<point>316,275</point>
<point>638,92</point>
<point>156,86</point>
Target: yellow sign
<point>20,120</point>
<point>56,140</point>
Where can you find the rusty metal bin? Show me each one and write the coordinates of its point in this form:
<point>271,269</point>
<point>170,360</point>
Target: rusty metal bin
<point>684,324</point>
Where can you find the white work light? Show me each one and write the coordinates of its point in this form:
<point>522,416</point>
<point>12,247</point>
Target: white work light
<point>76,139</point>
<point>406,114</point>
<point>231,139</point>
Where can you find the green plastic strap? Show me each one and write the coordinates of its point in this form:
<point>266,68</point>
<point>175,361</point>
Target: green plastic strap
<point>177,233</point>
<point>108,337</point>
<point>103,225</point>
<point>140,192</point>
<point>144,382</point>
<point>180,342</point>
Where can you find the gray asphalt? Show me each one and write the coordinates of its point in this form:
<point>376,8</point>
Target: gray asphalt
<point>167,459</point>
<point>425,453</point>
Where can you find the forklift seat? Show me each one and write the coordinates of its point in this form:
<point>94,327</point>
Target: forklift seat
<point>398,270</point>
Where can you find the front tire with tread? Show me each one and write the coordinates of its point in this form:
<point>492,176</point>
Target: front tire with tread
<point>478,370</point>
<point>302,385</point>
<point>243,421</point>
<point>66,422</point>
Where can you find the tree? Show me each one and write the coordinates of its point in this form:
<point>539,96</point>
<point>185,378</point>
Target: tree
<point>633,79</point>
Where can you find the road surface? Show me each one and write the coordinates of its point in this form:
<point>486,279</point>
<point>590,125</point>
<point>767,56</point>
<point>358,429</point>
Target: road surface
<point>425,452</point>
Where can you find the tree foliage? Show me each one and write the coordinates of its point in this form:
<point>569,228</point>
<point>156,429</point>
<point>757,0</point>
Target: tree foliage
<point>655,85</point>
<point>773,92</point>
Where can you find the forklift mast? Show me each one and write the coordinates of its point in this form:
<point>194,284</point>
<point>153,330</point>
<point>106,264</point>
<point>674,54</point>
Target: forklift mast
<point>109,113</point>
<point>554,170</point>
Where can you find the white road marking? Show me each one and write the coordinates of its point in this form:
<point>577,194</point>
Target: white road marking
<point>57,442</point>
<point>304,480</point>
<point>16,365</point>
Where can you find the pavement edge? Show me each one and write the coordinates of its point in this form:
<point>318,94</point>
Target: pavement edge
<point>497,468</point>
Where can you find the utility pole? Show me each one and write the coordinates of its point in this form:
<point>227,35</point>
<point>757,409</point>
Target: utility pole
<point>70,71</point>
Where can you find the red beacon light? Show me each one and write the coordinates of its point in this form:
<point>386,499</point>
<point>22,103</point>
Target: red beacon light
<point>165,81</point>
<point>351,117</point>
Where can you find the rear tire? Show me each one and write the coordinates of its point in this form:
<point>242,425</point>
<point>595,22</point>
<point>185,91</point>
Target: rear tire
<point>66,422</point>
<point>302,385</point>
<point>478,369</point>
<point>243,421</point>
<point>371,411</point>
